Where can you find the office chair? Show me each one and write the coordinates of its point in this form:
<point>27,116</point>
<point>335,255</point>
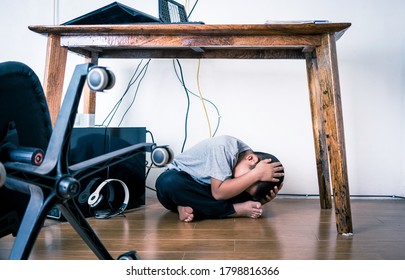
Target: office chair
<point>34,169</point>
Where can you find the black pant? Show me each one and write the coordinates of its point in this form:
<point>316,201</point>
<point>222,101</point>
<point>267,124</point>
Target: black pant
<point>177,188</point>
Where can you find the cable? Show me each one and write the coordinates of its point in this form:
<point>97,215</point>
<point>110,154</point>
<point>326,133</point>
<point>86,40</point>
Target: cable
<point>206,100</point>
<point>192,9</point>
<point>186,4</point>
<point>188,105</point>
<point>202,99</point>
<point>151,135</point>
<point>151,165</point>
<point>114,110</point>
<point>144,70</point>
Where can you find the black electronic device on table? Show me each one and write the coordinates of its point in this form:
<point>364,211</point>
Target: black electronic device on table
<point>114,13</point>
<point>172,12</point>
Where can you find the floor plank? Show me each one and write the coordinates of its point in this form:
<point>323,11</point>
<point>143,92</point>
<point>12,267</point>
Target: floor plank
<point>290,229</point>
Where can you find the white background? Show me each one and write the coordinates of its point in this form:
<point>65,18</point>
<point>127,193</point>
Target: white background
<point>264,103</point>
<point>106,270</point>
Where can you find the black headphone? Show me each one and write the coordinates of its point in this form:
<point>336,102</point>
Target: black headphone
<point>95,198</point>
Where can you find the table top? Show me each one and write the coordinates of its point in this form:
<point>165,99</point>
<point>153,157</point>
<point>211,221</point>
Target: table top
<point>285,40</point>
<point>196,29</point>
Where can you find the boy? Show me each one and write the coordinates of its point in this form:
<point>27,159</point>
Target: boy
<point>216,179</point>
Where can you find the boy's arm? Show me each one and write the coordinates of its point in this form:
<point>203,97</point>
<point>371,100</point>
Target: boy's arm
<point>264,171</point>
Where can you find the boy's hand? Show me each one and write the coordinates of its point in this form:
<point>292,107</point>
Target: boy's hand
<point>269,171</point>
<point>273,193</point>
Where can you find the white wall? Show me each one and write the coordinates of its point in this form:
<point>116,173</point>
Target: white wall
<point>265,103</point>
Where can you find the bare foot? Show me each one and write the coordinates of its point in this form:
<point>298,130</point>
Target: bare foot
<point>249,209</point>
<point>185,213</point>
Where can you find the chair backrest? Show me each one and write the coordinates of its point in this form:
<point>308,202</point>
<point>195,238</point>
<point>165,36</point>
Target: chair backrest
<point>22,101</point>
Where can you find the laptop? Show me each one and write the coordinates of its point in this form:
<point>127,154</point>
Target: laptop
<point>172,12</point>
<point>114,13</point>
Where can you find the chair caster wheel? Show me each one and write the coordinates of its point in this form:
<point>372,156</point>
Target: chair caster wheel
<point>129,256</point>
<point>100,78</point>
<point>162,155</point>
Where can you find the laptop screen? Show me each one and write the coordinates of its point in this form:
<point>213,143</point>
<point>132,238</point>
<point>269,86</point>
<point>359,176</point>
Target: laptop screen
<point>114,13</point>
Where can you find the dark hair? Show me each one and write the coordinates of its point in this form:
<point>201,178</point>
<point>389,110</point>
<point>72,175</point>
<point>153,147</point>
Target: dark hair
<point>264,187</point>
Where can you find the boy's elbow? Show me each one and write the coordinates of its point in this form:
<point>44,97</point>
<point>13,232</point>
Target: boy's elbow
<point>218,196</point>
<point>218,191</point>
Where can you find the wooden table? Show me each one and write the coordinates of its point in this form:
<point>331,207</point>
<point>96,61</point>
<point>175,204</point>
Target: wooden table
<point>316,43</point>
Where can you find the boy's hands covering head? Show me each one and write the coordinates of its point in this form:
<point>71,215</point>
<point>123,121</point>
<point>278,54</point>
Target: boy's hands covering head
<point>269,171</point>
<point>272,179</point>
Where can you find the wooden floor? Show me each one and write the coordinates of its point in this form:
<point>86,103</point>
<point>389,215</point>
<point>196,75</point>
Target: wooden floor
<point>291,229</point>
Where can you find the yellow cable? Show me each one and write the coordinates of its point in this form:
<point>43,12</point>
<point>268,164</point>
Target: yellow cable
<point>202,99</point>
<point>186,5</point>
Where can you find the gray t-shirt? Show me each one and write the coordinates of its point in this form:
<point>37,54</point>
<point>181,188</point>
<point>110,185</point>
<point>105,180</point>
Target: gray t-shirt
<point>212,158</point>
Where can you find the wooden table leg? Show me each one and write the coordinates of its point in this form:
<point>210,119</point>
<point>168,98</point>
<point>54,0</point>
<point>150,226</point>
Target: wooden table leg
<point>89,101</point>
<point>332,109</point>
<point>55,65</point>
<point>318,125</point>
